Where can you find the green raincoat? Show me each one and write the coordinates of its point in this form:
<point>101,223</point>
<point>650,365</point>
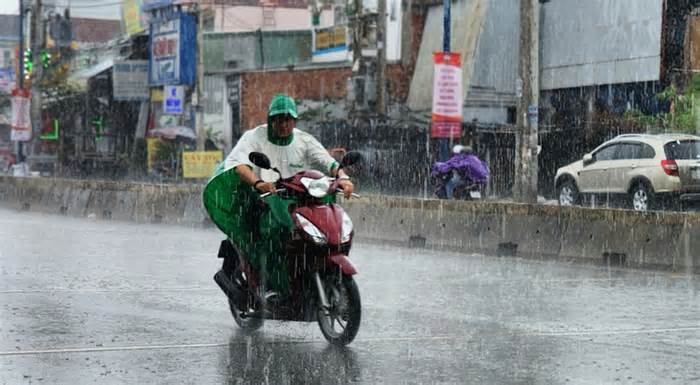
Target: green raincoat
<point>237,209</point>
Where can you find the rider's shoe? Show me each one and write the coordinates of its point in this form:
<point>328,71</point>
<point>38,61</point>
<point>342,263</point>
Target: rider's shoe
<point>272,297</point>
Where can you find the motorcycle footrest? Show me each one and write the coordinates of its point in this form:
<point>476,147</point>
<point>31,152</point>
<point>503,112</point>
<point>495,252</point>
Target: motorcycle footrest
<point>257,314</point>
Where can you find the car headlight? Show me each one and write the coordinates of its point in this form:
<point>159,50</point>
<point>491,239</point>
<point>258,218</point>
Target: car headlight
<point>317,188</point>
<point>312,230</point>
<point>347,228</point>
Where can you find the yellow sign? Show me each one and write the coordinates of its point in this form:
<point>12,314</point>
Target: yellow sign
<point>151,149</point>
<point>330,38</point>
<point>199,164</point>
<point>131,14</point>
<point>156,95</point>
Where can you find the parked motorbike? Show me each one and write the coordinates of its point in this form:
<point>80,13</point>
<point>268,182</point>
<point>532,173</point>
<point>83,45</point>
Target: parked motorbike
<point>468,191</point>
<point>322,288</point>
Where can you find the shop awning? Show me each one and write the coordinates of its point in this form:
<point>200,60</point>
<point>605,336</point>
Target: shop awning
<point>173,132</point>
<point>81,77</point>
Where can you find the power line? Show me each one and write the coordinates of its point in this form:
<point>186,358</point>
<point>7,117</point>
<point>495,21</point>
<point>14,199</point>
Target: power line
<point>83,6</point>
<point>96,5</point>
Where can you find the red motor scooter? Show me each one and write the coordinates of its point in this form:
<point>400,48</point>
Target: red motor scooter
<point>322,287</point>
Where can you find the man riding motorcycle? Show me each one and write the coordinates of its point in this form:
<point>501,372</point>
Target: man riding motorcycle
<point>232,195</point>
<point>463,168</point>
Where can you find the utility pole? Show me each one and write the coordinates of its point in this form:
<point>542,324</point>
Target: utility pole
<point>526,138</point>
<point>357,33</point>
<point>37,45</point>
<point>199,105</point>
<point>407,34</point>
<point>381,57</point>
<point>20,66</point>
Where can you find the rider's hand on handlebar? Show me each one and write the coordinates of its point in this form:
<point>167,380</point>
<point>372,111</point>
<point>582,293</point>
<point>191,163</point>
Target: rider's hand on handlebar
<point>347,187</point>
<point>266,187</point>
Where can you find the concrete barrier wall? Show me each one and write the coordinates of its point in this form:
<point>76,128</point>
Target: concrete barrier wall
<point>618,237</point>
<point>140,202</point>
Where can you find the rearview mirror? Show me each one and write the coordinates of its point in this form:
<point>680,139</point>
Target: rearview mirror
<point>259,159</point>
<point>587,159</point>
<point>351,158</point>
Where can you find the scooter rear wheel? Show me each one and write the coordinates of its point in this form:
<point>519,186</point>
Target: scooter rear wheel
<point>341,324</point>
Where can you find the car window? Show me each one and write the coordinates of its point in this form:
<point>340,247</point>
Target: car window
<point>606,153</point>
<point>627,151</point>
<point>682,149</point>
<point>646,152</point>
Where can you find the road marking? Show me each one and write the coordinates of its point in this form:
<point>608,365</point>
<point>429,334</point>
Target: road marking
<point>110,349</point>
<point>616,332</point>
<point>88,290</point>
<point>377,339</point>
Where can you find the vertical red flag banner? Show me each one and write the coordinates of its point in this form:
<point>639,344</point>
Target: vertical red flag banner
<point>447,95</point>
<point>21,121</point>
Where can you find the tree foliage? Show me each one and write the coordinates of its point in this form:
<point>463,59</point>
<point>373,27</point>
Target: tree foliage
<point>683,114</point>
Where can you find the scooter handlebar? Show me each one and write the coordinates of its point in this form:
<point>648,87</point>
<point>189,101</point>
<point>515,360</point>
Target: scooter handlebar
<point>267,194</point>
<point>340,190</point>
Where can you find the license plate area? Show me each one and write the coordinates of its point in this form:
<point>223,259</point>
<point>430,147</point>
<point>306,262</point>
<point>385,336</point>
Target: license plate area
<point>476,194</point>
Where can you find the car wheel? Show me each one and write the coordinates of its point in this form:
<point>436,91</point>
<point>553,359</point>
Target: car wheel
<point>568,193</point>
<point>642,197</point>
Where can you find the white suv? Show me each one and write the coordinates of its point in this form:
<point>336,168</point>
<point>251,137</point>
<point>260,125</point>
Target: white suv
<point>648,170</point>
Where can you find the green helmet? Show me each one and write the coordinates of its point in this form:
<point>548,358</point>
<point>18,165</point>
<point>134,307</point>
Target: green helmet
<point>282,104</point>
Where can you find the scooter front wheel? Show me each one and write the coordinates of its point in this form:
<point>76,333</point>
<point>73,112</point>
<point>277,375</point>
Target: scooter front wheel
<point>341,321</point>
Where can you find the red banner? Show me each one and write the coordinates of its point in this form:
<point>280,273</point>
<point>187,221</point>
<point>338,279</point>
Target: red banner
<point>447,95</point>
<point>21,121</point>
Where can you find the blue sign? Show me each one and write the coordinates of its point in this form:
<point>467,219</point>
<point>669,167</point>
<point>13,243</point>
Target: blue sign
<point>173,100</point>
<point>7,79</point>
<point>150,5</point>
<point>173,58</point>
<point>533,115</point>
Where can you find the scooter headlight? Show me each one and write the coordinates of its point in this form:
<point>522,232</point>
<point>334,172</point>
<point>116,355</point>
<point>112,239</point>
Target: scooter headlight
<point>312,230</point>
<point>317,188</point>
<point>347,228</point>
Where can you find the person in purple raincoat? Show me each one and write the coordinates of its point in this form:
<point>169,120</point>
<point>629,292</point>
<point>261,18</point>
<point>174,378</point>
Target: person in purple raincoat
<point>465,167</point>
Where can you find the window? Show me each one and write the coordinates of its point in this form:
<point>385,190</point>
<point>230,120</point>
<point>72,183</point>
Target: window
<point>6,60</point>
<point>682,149</point>
<point>634,151</point>
<point>627,151</point>
<point>511,115</point>
<point>647,152</point>
<point>606,153</point>
<point>214,89</point>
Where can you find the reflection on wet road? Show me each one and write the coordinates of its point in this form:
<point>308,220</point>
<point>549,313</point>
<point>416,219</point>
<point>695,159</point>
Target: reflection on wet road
<point>86,301</point>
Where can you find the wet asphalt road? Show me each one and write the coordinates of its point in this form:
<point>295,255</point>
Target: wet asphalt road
<point>85,301</point>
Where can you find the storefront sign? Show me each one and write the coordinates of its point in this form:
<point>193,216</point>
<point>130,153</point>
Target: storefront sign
<point>447,96</point>
<point>173,100</point>
<point>233,84</point>
<point>132,16</point>
<point>21,122</point>
<point>200,164</point>
<point>330,44</point>
<point>330,38</point>
<point>173,51</point>
<point>130,80</point>
<point>151,152</point>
